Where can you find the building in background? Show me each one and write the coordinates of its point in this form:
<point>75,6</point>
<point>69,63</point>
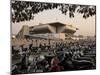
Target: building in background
<point>54,30</point>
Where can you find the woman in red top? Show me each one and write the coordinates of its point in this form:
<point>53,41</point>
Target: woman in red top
<point>54,64</point>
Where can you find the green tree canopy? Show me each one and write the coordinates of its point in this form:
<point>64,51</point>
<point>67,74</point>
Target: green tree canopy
<point>24,10</point>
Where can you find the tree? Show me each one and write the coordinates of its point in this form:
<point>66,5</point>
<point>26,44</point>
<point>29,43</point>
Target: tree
<point>24,11</point>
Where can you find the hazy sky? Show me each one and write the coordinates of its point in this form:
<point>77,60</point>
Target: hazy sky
<point>86,26</point>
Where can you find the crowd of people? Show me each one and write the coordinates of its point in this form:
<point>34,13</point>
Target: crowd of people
<point>55,57</point>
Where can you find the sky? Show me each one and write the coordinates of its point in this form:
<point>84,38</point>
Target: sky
<point>86,26</point>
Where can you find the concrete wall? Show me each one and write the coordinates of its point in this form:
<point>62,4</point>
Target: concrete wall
<point>24,31</point>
